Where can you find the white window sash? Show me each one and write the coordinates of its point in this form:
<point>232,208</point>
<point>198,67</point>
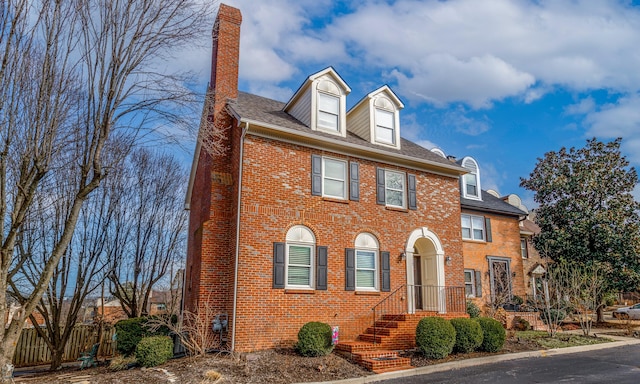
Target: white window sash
<point>385,124</point>
<point>328,112</point>
<point>298,267</point>
<point>470,229</point>
<point>368,269</point>
<point>342,180</point>
<point>402,190</point>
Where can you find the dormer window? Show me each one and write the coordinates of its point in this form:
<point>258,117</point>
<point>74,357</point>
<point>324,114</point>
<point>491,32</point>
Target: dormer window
<point>376,118</point>
<point>328,111</point>
<point>471,180</point>
<point>385,127</point>
<point>321,103</point>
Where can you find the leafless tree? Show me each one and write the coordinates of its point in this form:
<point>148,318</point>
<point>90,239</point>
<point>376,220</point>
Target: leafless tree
<point>150,230</point>
<point>80,271</point>
<point>75,74</point>
<point>585,286</point>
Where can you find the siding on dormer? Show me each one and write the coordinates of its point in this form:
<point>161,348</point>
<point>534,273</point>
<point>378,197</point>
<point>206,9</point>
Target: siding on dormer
<point>301,110</point>
<point>359,121</point>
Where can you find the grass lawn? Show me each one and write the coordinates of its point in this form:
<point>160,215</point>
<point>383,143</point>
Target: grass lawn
<point>561,340</point>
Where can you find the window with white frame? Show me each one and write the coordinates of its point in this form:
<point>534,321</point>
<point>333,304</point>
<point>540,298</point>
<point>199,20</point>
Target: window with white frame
<point>328,112</point>
<point>366,252</point>
<point>523,248</point>
<point>334,178</point>
<point>385,126</point>
<point>300,257</point>
<point>471,180</point>
<point>472,227</point>
<point>395,189</point>
<point>469,283</point>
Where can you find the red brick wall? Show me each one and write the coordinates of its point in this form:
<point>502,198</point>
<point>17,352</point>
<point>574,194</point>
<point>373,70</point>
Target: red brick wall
<point>505,243</point>
<point>277,195</point>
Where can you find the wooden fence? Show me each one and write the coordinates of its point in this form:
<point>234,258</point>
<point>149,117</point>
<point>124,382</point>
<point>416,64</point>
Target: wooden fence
<point>32,349</point>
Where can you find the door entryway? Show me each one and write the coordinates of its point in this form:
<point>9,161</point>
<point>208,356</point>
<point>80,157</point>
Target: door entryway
<point>425,272</point>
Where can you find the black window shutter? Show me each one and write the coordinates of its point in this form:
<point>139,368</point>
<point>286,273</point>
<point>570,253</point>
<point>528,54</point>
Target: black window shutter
<point>354,181</point>
<point>321,268</point>
<point>386,271</point>
<point>380,186</point>
<point>478,281</point>
<point>411,181</point>
<point>278,265</point>
<point>316,175</point>
<point>487,228</point>
<point>350,269</point>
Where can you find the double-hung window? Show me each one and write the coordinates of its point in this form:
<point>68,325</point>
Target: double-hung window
<point>366,267</point>
<point>395,189</point>
<point>523,248</point>
<point>328,112</point>
<point>469,283</point>
<point>472,227</point>
<point>300,265</point>
<point>385,127</point>
<point>334,178</point>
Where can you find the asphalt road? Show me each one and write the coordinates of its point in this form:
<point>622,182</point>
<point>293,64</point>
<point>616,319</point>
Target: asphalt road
<point>620,365</point>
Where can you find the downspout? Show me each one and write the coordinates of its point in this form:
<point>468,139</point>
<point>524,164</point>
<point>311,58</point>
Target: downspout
<point>235,276</point>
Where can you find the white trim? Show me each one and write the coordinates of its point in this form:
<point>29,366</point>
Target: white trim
<point>347,149</point>
<point>235,276</point>
<point>345,178</point>
<point>471,228</point>
<point>404,188</point>
<point>416,234</point>
<point>476,174</point>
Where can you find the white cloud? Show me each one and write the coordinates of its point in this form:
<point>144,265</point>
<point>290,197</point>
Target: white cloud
<point>454,51</point>
<point>462,123</point>
<point>583,107</point>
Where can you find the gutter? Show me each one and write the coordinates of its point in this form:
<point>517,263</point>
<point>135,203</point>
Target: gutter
<point>235,275</point>
<point>453,168</point>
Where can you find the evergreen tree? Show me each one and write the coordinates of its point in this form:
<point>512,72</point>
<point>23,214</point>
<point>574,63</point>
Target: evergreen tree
<point>587,212</point>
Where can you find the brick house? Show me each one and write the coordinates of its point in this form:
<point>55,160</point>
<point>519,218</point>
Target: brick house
<point>491,233</point>
<point>315,213</point>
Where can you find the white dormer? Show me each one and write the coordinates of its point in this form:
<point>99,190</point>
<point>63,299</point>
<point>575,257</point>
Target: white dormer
<point>471,188</point>
<point>376,118</point>
<point>320,103</point>
<point>438,152</point>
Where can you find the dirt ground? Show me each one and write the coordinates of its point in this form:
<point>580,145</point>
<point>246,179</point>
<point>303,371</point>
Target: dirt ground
<point>282,366</point>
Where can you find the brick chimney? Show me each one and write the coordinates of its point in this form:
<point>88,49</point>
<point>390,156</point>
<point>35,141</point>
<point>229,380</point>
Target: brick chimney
<point>225,54</point>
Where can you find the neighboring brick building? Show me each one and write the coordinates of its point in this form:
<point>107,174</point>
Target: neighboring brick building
<point>534,266</point>
<point>313,213</point>
<point>491,242</point>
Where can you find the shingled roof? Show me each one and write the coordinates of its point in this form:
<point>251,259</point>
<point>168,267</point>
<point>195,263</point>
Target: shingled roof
<point>490,203</point>
<point>258,109</point>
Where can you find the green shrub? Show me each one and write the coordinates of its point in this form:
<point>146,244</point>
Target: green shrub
<point>435,337</point>
<point>129,332</point>
<point>154,350</point>
<point>515,299</point>
<point>472,309</point>
<point>314,339</point>
<point>469,335</point>
<point>493,334</point>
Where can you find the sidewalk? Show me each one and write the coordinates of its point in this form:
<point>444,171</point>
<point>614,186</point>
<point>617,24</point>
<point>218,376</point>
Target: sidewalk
<point>619,341</point>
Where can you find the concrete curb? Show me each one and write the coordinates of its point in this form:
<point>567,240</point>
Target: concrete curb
<point>621,341</point>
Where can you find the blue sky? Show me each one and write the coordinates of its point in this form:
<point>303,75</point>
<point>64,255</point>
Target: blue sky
<point>502,81</point>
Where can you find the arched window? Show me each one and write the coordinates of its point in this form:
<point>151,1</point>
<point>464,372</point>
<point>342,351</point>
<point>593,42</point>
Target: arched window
<point>385,126</point>
<point>328,106</point>
<point>367,265</point>
<point>471,180</point>
<point>300,256</point>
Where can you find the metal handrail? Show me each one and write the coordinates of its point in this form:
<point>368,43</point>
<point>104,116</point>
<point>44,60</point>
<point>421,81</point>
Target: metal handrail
<point>445,299</point>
